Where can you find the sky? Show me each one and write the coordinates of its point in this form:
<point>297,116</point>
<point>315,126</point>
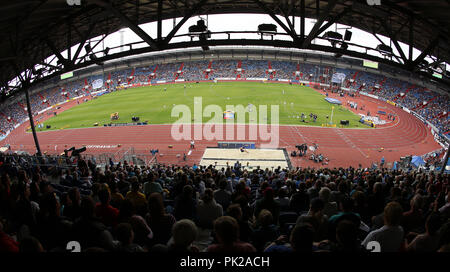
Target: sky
<point>239,22</point>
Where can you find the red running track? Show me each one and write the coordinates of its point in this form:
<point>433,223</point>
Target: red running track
<point>343,147</point>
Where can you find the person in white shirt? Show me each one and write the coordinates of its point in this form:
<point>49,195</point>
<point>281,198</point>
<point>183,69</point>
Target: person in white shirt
<point>391,235</point>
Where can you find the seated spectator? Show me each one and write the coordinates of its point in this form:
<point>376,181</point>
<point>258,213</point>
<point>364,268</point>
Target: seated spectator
<point>347,237</point>
<point>116,196</point>
<point>329,208</point>
<point>184,233</point>
<point>208,210</point>
<point>412,220</point>
<point>390,236</point>
<point>223,196</point>
<point>30,245</point>
<point>135,196</point>
<point>104,211</point>
<point>52,229</point>
<point>359,199</point>
<point>247,214</point>
<point>125,236</point>
<point>143,234</point>
<point>158,220</point>
<point>428,241</point>
<point>245,230</point>
<point>283,199</point>
<point>316,219</point>
<point>266,231</point>
<point>89,231</point>
<point>300,241</point>
<point>152,186</point>
<point>7,244</point>
<point>375,200</point>
<point>25,210</point>
<point>73,210</point>
<point>346,213</point>
<point>444,241</point>
<point>445,210</point>
<point>185,204</point>
<point>226,229</point>
<point>299,201</point>
<point>268,203</point>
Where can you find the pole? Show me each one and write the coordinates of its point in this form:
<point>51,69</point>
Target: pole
<point>331,120</point>
<point>445,160</point>
<point>30,115</point>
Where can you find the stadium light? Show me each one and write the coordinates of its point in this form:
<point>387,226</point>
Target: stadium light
<point>384,49</point>
<point>202,32</point>
<point>333,37</point>
<point>200,27</point>
<point>267,30</point>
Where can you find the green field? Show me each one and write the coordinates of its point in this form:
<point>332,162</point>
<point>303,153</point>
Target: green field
<point>154,105</point>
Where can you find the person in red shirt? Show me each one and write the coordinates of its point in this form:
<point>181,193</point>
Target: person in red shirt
<point>227,232</point>
<point>103,210</point>
<point>7,244</point>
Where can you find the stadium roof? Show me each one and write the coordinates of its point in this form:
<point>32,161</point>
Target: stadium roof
<point>33,30</point>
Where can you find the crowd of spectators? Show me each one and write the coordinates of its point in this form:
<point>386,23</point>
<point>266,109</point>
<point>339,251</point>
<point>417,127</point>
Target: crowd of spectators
<point>47,202</point>
<point>435,110</point>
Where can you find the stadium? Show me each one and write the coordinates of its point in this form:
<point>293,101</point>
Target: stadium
<point>158,126</point>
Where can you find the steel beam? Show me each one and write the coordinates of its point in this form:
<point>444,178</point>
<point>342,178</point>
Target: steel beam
<point>275,18</point>
<point>425,52</point>
<point>394,40</point>
<point>188,15</point>
<point>315,30</point>
<point>127,22</point>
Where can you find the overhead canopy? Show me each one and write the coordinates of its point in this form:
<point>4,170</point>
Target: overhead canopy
<point>33,30</point>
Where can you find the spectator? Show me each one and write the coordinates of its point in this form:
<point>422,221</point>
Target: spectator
<point>143,234</point>
<point>30,245</point>
<point>265,232</point>
<point>300,200</point>
<point>245,230</point>
<point>89,231</point>
<point>428,241</point>
<point>346,213</point>
<point>390,236</point>
<point>116,196</point>
<point>283,199</point>
<point>208,210</point>
<point>158,220</point>
<point>347,237</point>
<point>104,211</point>
<point>185,204</point>
<point>412,220</point>
<point>330,208</point>
<point>125,236</point>
<point>223,196</point>
<point>135,196</point>
<point>73,209</point>
<point>226,229</point>
<point>268,203</point>
<point>316,219</point>
<point>7,244</point>
<point>152,186</point>
<point>184,233</point>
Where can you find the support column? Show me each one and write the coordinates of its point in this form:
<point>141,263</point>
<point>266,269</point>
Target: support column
<point>30,115</point>
<point>445,160</point>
